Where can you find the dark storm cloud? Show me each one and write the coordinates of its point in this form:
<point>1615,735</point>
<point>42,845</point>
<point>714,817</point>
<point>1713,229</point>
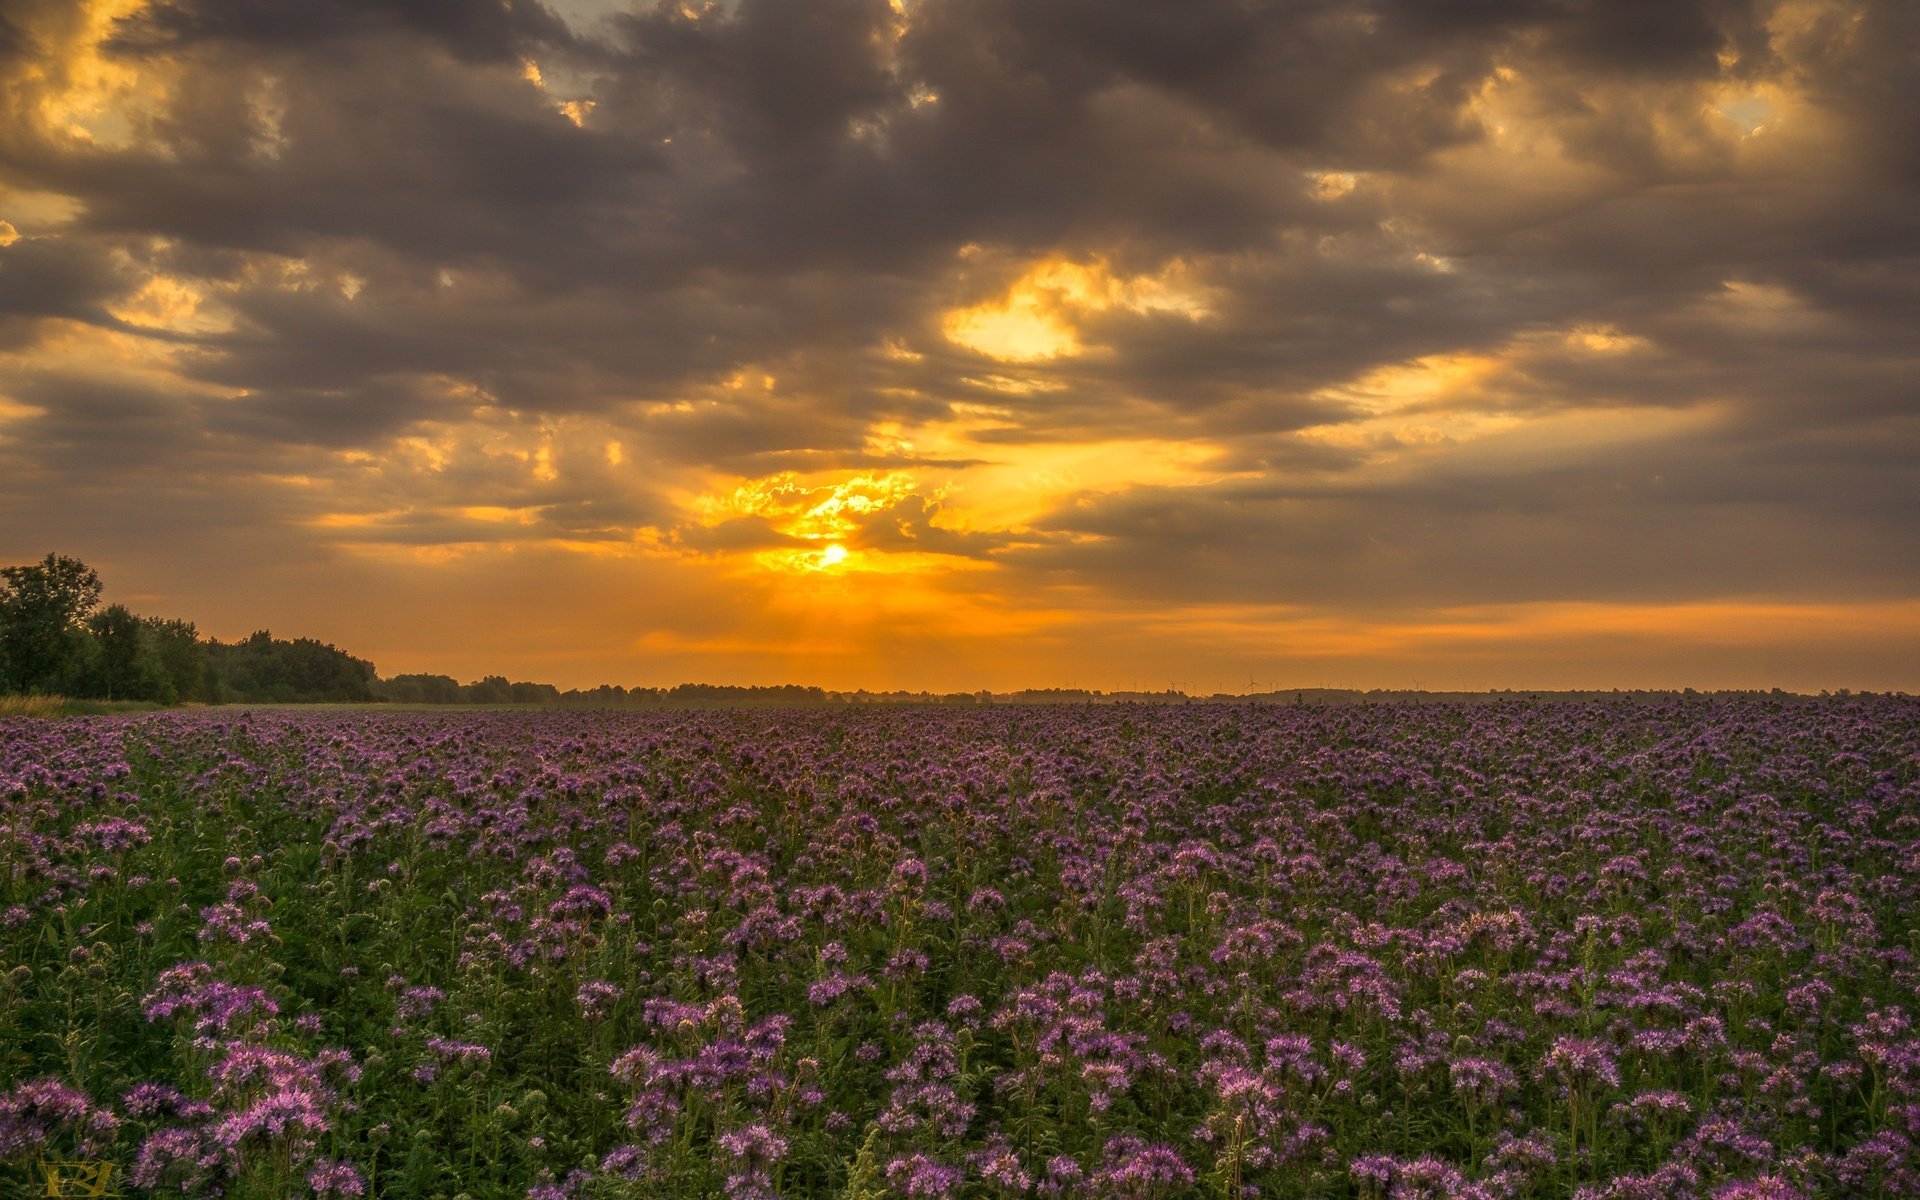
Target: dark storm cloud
<point>430,158</point>
<point>41,277</point>
<point>584,522</point>
<point>82,426</point>
<point>474,31</point>
<point>1620,526</point>
<point>783,79</point>
<point>356,416</point>
<point>406,230</point>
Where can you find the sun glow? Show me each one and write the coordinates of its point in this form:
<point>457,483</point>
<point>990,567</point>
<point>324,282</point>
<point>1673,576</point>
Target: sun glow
<point>1040,316</point>
<point>879,522</point>
<point>86,93</point>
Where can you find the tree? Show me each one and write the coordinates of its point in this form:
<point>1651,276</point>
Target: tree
<point>302,671</point>
<point>124,666</point>
<point>533,693</point>
<point>177,648</point>
<point>419,689</point>
<point>491,689</point>
<point>42,613</point>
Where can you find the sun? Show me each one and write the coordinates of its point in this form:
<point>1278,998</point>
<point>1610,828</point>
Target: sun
<point>819,558</point>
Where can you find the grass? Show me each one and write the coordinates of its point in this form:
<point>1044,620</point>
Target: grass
<point>31,706</point>
<point>60,706</point>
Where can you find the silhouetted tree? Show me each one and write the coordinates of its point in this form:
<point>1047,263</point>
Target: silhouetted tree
<point>534,693</point>
<point>43,608</point>
<point>493,689</point>
<point>420,689</point>
<point>122,664</point>
<point>303,671</point>
<point>176,647</point>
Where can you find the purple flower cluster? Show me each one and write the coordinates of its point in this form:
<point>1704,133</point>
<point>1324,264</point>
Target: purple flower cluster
<point>34,1114</point>
<point>214,1005</point>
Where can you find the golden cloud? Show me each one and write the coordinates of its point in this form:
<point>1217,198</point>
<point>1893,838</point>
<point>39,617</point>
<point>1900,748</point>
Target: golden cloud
<point>1042,314</point>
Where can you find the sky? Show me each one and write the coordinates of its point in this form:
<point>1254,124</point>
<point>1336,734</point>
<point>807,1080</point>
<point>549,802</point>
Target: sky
<point>1223,345</point>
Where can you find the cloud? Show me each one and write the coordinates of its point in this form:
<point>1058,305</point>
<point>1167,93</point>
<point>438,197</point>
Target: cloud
<point>487,32</point>
<point>1360,306</point>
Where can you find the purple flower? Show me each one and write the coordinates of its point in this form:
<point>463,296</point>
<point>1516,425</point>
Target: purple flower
<point>465,1053</point>
<point>754,1144</point>
<point>112,834</point>
<point>181,1159</point>
<point>34,1112</point>
<point>228,922</point>
<point>921,1178</point>
<point>596,998</point>
<point>417,1001</point>
<point>1763,1187</point>
<point>330,1179</point>
<point>292,1114</point>
<point>1579,1064</point>
<point>1480,1081</point>
<point>1139,1170</point>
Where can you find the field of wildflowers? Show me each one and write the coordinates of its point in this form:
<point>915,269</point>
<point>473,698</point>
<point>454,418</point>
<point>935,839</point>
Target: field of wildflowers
<point>1609,950</point>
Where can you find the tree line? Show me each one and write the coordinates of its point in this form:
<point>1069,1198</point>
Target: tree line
<point>496,689</point>
<point>57,640</point>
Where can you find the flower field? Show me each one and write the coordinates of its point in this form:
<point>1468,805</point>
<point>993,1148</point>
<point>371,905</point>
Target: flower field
<point>1613,950</point>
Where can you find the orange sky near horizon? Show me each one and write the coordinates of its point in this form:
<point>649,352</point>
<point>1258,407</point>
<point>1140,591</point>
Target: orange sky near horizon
<point>958,345</point>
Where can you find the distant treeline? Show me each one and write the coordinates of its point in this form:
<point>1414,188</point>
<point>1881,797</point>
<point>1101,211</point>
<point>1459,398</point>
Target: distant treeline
<point>57,640</point>
<point>495,689</point>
